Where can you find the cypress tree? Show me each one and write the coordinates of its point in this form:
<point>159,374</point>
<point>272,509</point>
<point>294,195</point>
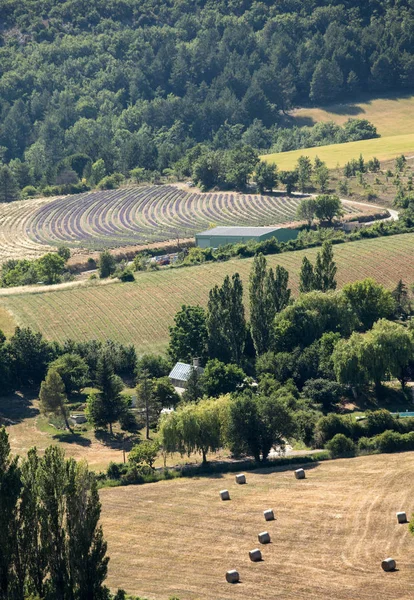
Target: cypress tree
<point>306,276</point>
<point>106,407</point>
<point>9,189</point>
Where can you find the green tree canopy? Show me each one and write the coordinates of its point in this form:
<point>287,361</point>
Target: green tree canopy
<point>188,335</point>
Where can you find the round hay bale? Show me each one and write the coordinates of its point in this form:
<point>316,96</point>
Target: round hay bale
<point>255,555</point>
<point>241,478</point>
<point>388,564</point>
<point>300,474</point>
<point>401,517</point>
<point>232,576</point>
<point>224,495</point>
<point>264,537</point>
<point>269,515</point>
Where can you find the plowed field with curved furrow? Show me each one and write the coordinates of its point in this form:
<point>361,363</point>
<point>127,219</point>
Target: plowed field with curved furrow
<point>141,312</point>
<point>131,216</point>
<point>331,532</point>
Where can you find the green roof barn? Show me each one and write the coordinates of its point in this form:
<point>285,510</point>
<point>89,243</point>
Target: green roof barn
<point>220,236</point>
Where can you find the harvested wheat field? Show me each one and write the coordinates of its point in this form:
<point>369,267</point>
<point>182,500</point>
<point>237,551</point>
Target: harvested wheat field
<point>331,532</point>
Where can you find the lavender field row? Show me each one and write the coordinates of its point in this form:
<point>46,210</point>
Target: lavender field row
<point>137,215</point>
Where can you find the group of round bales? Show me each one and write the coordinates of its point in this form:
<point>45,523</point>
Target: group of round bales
<point>255,555</point>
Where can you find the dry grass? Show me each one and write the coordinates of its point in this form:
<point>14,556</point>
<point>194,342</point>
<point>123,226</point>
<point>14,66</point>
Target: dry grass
<point>331,533</point>
<point>384,148</point>
<point>141,312</point>
<point>392,115</point>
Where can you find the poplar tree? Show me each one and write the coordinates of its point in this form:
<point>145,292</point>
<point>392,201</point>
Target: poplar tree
<point>306,276</point>
<point>325,269</point>
<point>277,283</point>
<point>226,324</point>
<point>10,486</point>
<point>269,294</point>
<point>261,310</point>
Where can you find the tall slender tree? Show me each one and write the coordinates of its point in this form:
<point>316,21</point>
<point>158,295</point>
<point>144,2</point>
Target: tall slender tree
<point>147,401</point>
<point>306,276</point>
<point>10,486</point>
<point>277,283</point>
<point>226,323</point>
<point>261,310</point>
<point>325,269</point>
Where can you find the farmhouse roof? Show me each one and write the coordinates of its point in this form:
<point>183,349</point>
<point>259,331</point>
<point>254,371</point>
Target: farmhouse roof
<point>238,231</point>
<point>182,371</point>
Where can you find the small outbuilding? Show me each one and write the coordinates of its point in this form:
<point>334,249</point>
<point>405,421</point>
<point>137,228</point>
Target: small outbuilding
<point>182,371</point>
<point>220,236</point>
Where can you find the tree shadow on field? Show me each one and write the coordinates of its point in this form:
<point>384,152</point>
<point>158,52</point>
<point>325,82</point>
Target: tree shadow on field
<point>117,441</point>
<point>268,470</point>
<point>72,438</point>
<point>17,407</point>
<point>290,121</point>
<point>346,109</point>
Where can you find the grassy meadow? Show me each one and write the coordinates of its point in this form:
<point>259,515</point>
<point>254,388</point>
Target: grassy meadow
<point>141,312</point>
<point>384,148</point>
<point>330,535</point>
<point>392,115</point>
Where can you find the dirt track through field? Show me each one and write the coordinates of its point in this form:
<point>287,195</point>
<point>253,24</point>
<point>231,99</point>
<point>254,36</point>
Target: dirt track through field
<point>331,533</point>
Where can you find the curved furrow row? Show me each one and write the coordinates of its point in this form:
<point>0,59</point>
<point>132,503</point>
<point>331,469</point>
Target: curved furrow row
<point>136,215</point>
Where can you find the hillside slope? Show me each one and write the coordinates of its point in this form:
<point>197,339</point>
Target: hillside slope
<point>136,84</point>
<point>141,312</point>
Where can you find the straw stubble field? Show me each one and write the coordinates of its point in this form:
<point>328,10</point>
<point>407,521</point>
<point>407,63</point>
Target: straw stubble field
<point>330,534</point>
<point>141,312</point>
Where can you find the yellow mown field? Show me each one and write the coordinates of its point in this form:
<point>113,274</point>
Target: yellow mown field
<point>330,535</point>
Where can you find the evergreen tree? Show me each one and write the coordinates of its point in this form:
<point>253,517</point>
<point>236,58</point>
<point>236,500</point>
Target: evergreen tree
<point>9,189</point>
<point>402,300</point>
<point>53,396</point>
<point>306,276</point>
<point>106,407</point>
<point>325,269</point>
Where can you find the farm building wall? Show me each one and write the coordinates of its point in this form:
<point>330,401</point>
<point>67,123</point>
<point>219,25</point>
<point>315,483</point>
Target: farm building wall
<point>283,234</point>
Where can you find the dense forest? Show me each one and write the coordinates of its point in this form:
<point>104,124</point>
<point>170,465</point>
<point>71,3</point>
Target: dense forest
<point>137,84</point>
